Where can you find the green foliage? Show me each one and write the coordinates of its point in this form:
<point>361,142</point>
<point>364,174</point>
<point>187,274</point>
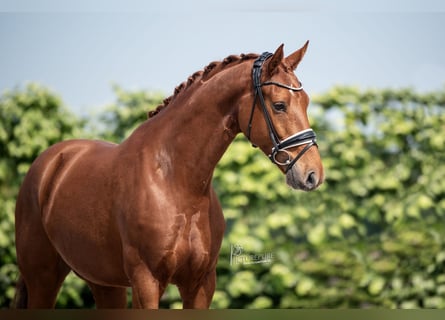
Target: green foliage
<point>371,236</point>
<point>129,111</point>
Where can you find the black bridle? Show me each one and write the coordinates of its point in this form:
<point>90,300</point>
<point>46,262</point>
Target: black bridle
<point>305,137</point>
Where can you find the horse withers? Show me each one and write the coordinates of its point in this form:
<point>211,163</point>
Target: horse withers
<point>143,213</point>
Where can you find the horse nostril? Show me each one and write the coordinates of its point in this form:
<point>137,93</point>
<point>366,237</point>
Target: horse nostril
<point>311,180</point>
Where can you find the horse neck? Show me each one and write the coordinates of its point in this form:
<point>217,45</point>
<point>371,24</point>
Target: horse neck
<point>193,132</point>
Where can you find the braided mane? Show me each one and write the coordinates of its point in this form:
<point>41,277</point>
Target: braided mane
<point>210,70</point>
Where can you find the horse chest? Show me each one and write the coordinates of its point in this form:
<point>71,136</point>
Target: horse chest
<point>178,247</point>
<point>188,246</point>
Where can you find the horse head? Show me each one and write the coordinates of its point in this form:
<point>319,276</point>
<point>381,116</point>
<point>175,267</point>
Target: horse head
<point>274,118</point>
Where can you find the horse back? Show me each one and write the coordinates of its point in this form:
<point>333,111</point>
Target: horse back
<point>52,165</point>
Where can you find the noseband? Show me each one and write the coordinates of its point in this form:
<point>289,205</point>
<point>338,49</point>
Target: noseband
<point>305,137</point>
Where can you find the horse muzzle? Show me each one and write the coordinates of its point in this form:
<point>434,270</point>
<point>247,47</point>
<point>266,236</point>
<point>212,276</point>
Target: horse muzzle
<point>307,180</point>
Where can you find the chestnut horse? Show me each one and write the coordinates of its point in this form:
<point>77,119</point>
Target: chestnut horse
<point>143,213</point>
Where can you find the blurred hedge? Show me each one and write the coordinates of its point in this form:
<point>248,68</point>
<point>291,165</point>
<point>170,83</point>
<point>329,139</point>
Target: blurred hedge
<point>371,236</point>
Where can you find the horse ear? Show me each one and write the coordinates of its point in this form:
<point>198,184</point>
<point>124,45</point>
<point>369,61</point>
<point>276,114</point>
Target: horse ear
<point>294,59</point>
<point>275,61</point>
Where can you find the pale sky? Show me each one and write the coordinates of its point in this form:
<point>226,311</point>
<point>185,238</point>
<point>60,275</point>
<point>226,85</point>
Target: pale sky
<point>79,49</point>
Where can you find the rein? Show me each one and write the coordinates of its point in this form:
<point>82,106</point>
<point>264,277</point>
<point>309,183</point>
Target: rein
<point>305,137</point>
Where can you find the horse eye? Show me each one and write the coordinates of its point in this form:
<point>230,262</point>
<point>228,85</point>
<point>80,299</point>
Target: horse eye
<point>279,106</point>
